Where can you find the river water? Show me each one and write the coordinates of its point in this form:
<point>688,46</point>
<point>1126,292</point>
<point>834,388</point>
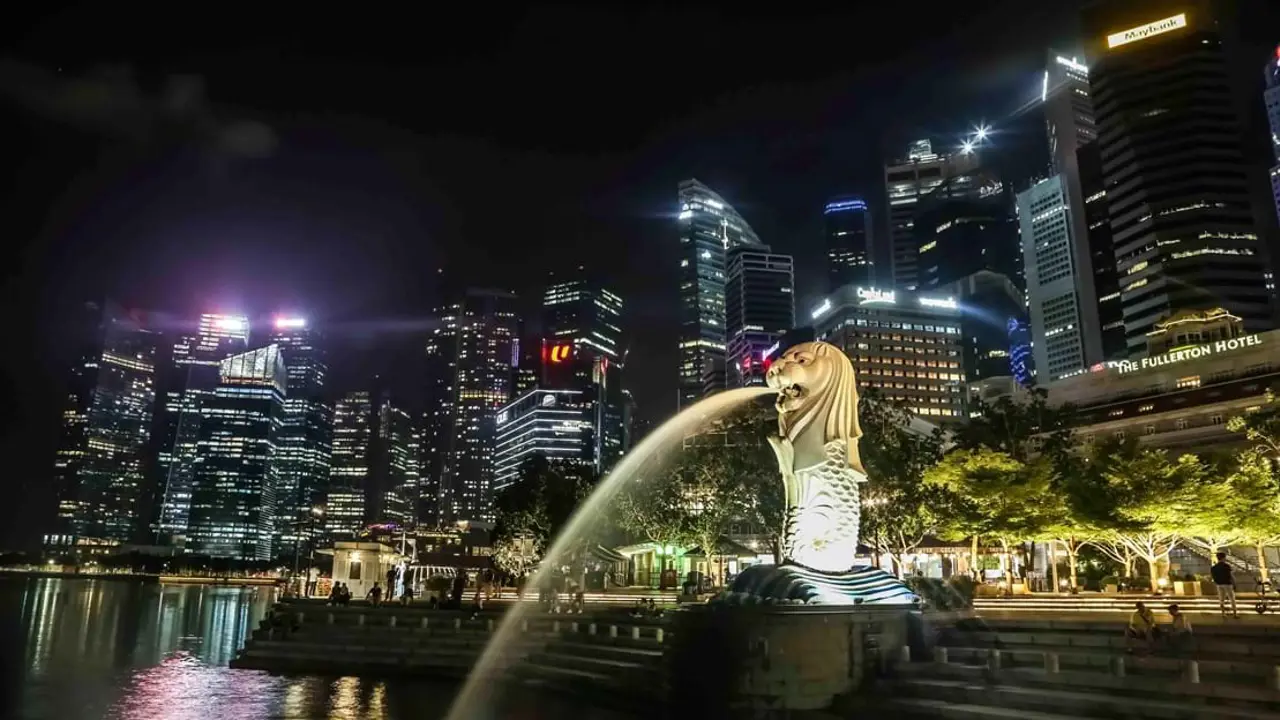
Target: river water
<point>73,649</point>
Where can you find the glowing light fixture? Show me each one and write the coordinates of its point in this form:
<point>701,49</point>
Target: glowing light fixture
<point>1143,32</point>
<point>284,323</point>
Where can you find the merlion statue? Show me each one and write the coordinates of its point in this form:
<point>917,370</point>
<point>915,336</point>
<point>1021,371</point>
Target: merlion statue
<point>817,450</point>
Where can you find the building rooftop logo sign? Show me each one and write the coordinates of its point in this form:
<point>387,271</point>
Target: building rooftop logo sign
<point>872,295</point>
<point>1191,353</point>
<point>1143,32</point>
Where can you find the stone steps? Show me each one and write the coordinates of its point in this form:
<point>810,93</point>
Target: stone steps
<point>1262,648</point>
<point>926,709</point>
<point>1253,671</point>
<point>1078,703</point>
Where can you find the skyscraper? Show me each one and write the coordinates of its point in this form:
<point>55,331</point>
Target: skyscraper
<point>1053,283</point>
<point>101,462</point>
<point>1102,252</point>
<point>471,359</point>
<point>906,182</point>
<point>581,311</point>
<point>964,226</point>
<point>759,308</point>
<point>233,492</point>
<point>306,434</point>
<point>350,464</point>
<point>849,243</point>
<point>394,471</point>
<point>193,376</point>
<point>709,228</point>
<point>1059,240</point>
<point>1182,211</point>
<point>1272,99</point>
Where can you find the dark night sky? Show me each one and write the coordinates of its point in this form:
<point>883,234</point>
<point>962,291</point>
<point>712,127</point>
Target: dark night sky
<point>334,163</point>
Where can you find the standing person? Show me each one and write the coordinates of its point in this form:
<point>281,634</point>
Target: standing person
<point>391,583</point>
<point>1225,583</point>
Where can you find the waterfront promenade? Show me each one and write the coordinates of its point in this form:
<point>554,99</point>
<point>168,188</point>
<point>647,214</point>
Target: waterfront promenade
<point>1037,662</point>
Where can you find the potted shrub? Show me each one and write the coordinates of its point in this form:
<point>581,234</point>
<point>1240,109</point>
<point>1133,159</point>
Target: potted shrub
<point>1110,584</point>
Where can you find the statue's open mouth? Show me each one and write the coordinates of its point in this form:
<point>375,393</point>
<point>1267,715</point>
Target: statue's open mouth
<point>790,395</point>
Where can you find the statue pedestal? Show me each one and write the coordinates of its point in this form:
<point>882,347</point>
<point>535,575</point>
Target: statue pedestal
<point>750,658</point>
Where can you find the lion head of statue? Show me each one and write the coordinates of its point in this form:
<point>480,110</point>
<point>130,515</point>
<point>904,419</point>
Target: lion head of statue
<point>816,393</point>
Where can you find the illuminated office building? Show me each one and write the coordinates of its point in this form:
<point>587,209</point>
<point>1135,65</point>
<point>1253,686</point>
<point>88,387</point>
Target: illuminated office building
<point>964,226</point>
<point>709,229</point>
<point>1169,107</point>
<point>1106,281</point>
<point>471,357</point>
<point>555,424</point>
<point>350,465</point>
<point>907,181</point>
<point>581,312</point>
<point>392,496</point>
<point>907,346</point>
<point>759,308</point>
<point>848,231</point>
<point>233,491</point>
<point>193,376</point>
<point>306,436</point>
<point>1272,100</point>
<point>101,461</point>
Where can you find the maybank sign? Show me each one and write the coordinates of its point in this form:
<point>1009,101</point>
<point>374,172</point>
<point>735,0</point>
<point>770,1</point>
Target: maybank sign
<point>1142,32</point>
<point>1191,353</point>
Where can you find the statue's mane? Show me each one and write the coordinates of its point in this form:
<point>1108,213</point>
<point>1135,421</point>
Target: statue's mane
<point>836,405</point>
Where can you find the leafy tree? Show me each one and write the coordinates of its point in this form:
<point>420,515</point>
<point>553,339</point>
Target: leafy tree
<point>1261,427</point>
<point>1255,501</point>
<point>650,507</point>
<point>1020,429</point>
<point>531,511</point>
<point>996,496</point>
<point>1150,496</point>
<point>898,509</point>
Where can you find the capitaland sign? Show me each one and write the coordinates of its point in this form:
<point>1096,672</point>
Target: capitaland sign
<point>872,295</point>
<point>1191,353</point>
<point>1142,32</point>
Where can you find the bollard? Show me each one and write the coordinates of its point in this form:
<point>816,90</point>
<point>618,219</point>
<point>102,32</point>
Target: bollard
<point>524,626</point>
<point>489,625</point>
<point>940,655</point>
<point>573,628</point>
<point>613,633</point>
<point>1193,672</point>
<point>1275,678</point>
<point>300,617</point>
<point>329,620</point>
<point>904,655</point>
<point>635,633</point>
<point>993,659</point>
<point>657,635</point>
<point>1051,662</point>
<point>555,626</point>
<point>424,623</point>
<point>391,621</point>
<point>457,623</point>
<point>1117,667</point>
<point>591,628</point>
<point>360,619</point>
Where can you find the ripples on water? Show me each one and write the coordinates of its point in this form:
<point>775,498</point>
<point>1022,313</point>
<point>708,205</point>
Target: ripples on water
<point>80,649</point>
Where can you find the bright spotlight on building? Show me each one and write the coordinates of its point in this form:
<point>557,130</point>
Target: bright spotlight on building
<point>966,148</point>
<point>983,130</point>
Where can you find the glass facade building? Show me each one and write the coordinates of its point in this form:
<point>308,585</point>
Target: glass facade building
<point>471,358</point>
<point>907,181</point>
<point>557,424</point>
<point>759,308</point>
<point>1170,112</point>
<point>233,493</point>
<point>306,435</point>
<point>848,229</point>
<point>709,228</point>
<point>349,465</point>
<point>101,463</point>
<point>192,377</point>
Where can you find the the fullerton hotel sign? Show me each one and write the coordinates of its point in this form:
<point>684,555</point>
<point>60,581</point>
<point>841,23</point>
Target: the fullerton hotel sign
<point>1191,353</point>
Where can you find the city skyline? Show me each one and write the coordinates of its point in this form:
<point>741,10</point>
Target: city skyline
<point>319,251</point>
